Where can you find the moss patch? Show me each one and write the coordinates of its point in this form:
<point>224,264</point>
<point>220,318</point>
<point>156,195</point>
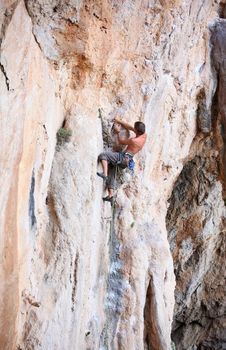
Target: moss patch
<point>63,135</point>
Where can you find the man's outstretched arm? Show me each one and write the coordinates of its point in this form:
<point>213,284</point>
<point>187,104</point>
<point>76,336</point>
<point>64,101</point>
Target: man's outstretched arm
<point>124,124</point>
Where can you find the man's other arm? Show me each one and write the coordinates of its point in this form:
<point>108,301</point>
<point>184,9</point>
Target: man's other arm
<point>124,124</point>
<point>124,141</point>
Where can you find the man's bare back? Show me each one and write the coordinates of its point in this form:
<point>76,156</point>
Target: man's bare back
<point>135,144</point>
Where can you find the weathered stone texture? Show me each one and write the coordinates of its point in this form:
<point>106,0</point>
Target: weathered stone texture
<point>196,219</point>
<point>76,273</point>
<point>218,55</point>
<point>196,226</point>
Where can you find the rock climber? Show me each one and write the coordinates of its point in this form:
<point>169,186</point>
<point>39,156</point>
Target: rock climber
<point>112,158</point>
<point>115,174</point>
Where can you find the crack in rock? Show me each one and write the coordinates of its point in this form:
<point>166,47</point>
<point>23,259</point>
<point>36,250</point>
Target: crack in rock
<point>5,75</point>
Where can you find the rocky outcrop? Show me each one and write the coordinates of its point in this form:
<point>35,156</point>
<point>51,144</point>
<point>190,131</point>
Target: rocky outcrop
<point>77,273</point>
<point>196,221</point>
<point>196,225</point>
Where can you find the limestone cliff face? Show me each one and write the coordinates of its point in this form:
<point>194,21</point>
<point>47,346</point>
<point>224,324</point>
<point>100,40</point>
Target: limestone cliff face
<point>196,220</point>
<point>196,224</point>
<point>77,273</point>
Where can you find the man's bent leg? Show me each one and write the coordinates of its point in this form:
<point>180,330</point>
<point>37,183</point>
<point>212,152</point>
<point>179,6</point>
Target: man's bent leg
<point>105,166</point>
<point>110,156</point>
<point>111,181</point>
<point>110,192</point>
<point>108,159</point>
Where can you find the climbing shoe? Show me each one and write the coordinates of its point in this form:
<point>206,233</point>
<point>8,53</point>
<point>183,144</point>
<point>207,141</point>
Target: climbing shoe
<point>102,175</point>
<point>108,199</point>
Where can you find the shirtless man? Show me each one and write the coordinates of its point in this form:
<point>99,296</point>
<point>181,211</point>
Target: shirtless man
<point>134,145</point>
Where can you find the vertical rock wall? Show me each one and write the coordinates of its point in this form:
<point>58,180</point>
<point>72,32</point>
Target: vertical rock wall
<point>196,225</point>
<point>78,274</point>
<point>30,116</point>
<point>196,219</point>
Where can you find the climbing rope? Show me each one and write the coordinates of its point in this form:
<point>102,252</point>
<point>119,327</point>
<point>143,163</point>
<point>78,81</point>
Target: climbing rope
<point>115,179</point>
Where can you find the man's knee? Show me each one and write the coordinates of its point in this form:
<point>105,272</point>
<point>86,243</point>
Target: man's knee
<point>102,156</point>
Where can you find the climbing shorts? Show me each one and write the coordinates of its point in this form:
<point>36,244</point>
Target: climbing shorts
<point>110,156</point>
<point>122,159</point>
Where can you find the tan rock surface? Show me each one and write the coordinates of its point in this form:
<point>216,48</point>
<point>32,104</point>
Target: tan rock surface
<point>75,273</point>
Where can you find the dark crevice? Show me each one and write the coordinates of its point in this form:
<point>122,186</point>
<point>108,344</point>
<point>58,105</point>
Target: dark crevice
<point>36,40</point>
<point>32,201</point>
<point>214,106</point>
<point>5,75</point>
<point>150,328</point>
<point>203,116</point>
<point>222,10</point>
<point>218,61</point>
<point>53,213</point>
<point>64,123</point>
<point>105,130</point>
<point>74,282</point>
<point>147,319</point>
